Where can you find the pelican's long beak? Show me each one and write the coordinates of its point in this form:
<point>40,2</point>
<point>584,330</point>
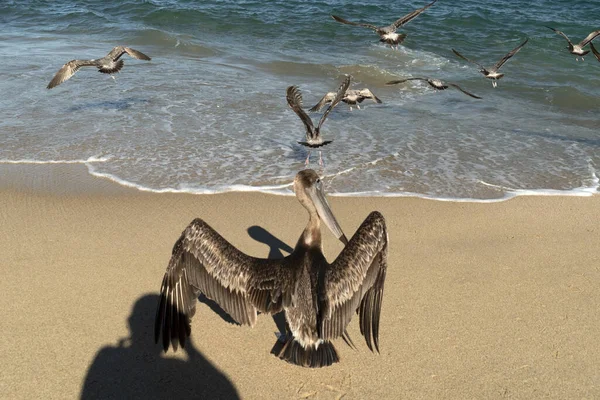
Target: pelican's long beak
<point>322,205</point>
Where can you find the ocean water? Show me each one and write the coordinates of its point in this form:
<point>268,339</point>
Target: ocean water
<point>208,112</point>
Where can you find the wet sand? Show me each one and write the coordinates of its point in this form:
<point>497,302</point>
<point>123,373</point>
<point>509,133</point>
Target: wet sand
<point>494,300</point>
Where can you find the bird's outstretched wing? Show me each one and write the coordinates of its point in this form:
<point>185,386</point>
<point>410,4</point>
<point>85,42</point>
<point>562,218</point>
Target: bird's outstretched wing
<point>67,71</point>
<point>118,51</point>
<point>294,99</point>
<point>204,262</point>
<point>354,283</point>
<point>454,85</point>
<point>408,17</point>
<point>404,80</point>
<point>466,59</point>
<point>367,94</point>
<point>328,98</point>
<point>561,34</point>
<point>345,21</point>
<point>510,54</point>
<point>596,53</point>
<point>339,95</point>
<point>589,38</point>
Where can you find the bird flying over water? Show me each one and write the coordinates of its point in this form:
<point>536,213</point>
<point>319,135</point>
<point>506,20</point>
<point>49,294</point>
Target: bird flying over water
<point>492,72</point>
<point>108,64</point>
<point>577,49</point>
<point>388,33</point>
<point>436,84</point>
<point>352,97</point>
<point>318,298</point>
<point>313,134</point>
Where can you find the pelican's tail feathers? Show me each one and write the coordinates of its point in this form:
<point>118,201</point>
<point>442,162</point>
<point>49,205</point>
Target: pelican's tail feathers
<point>322,356</point>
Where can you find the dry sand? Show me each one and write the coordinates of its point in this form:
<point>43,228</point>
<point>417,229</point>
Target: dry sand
<point>481,301</point>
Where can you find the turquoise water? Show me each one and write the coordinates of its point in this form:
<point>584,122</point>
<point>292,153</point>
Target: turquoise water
<point>208,113</point>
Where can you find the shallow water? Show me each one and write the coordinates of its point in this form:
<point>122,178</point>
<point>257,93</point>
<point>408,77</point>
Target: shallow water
<point>208,113</point>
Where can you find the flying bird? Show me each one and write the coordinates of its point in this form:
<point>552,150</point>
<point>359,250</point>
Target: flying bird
<point>108,64</point>
<point>492,73</point>
<point>318,298</point>
<point>577,49</point>
<point>388,33</point>
<point>352,97</point>
<point>313,135</point>
<point>436,84</point>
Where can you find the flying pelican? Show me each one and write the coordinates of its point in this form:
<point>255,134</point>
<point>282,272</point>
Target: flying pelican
<point>318,298</point>
<point>313,135</point>
<point>352,97</point>
<point>108,64</point>
<point>577,49</point>
<point>434,83</point>
<point>388,33</point>
<point>492,73</point>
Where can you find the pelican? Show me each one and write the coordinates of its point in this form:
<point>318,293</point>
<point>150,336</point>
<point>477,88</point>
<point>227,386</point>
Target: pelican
<point>388,33</point>
<point>108,64</point>
<point>318,298</point>
<point>313,135</point>
<point>352,97</point>
<point>492,73</point>
<point>434,83</point>
<point>577,49</point>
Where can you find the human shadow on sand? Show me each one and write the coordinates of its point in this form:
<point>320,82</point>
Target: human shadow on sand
<point>136,367</point>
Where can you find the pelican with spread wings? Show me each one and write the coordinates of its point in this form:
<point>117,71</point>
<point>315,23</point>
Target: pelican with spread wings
<point>388,33</point>
<point>109,64</point>
<point>319,298</point>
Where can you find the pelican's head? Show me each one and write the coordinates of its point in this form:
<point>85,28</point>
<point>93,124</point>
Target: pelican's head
<point>309,191</point>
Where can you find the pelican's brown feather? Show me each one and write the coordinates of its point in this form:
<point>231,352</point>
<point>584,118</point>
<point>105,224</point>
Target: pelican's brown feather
<point>354,282</point>
<point>204,262</point>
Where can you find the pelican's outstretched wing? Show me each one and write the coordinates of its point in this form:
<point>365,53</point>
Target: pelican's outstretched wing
<point>466,59</point>
<point>354,283</point>
<point>408,17</point>
<point>294,99</point>
<point>118,51</point>
<point>345,21</point>
<point>454,85</point>
<point>339,95</point>
<point>67,71</point>
<point>589,38</point>
<point>596,53</point>
<point>204,262</point>
<point>561,34</point>
<point>509,55</point>
<point>328,98</point>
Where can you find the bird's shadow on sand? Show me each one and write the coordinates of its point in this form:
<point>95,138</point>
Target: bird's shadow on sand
<point>135,368</point>
<point>118,105</point>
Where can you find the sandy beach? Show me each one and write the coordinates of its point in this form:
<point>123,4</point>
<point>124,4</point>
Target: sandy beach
<point>496,300</point>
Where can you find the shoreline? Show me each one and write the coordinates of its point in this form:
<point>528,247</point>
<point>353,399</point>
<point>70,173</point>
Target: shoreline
<point>481,300</point>
<point>78,176</point>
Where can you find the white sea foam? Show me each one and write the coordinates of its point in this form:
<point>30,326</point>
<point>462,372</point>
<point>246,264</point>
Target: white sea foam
<point>92,159</point>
